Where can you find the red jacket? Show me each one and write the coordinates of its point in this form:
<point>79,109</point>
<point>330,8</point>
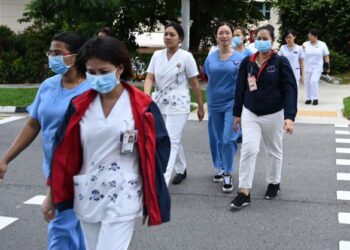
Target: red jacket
<point>153,145</point>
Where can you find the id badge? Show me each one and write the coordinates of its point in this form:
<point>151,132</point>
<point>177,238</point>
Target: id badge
<point>252,83</point>
<point>128,140</point>
<point>180,77</point>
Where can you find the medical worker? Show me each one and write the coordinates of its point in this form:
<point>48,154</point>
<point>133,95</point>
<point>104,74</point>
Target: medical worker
<point>239,41</point>
<point>316,61</point>
<point>110,152</point>
<point>221,68</point>
<point>265,107</point>
<point>171,70</point>
<point>294,54</point>
<point>46,113</point>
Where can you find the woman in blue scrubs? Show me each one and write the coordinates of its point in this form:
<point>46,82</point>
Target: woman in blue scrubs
<point>46,113</point>
<point>221,68</point>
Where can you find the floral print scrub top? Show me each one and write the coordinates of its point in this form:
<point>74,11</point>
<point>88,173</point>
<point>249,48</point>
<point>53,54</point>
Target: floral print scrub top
<point>109,185</point>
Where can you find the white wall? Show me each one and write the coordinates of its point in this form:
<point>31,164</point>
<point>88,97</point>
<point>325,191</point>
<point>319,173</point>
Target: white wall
<point>10,12</point>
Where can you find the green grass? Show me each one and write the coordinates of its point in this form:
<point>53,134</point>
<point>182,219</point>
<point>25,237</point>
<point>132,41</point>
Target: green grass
<point>346,110</point>
<point>193,97</point>
<point>344,78</point>
<point>20,97</point>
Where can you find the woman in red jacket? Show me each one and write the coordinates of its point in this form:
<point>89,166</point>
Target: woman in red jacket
<point>110,154</point>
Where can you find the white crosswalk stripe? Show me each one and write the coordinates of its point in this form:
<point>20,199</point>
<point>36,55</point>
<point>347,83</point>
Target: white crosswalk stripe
<point>5,221</point>
<point>36,200</point>
<point>4,120</point>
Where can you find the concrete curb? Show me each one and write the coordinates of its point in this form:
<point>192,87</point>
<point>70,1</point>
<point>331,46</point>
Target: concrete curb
<point>13,109</point>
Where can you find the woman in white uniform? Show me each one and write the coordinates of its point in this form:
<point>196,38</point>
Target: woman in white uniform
<point>172,69</point>
<point>316,61</point>
<point>110,152</point>
<point>294,54</point>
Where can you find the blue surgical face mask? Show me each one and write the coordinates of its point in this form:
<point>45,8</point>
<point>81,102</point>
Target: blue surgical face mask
<point>103,83</point>
<point>237,40</point>
<point>263,46</point>
<point>57,65</point>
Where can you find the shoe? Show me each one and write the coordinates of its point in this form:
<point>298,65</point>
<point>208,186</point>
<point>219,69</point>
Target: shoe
<point>315,102</point>
<point>219,177</point>
<point>308,102</point>
<point>227,185</point>
<point>178,178</point>
<point>240,201</point>
<point>272,191</point>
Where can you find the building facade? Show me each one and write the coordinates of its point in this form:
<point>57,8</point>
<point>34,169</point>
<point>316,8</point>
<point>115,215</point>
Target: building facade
<point>10,12</point>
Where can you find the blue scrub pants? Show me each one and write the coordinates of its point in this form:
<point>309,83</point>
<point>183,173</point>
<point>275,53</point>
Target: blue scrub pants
<point>222,139</point>
<point>65,232</point>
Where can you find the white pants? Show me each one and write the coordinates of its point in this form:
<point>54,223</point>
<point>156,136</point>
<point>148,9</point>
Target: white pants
<point>108,236</point>
<point>175,125</point>
<point>270,127</point>
<point>311,83</point>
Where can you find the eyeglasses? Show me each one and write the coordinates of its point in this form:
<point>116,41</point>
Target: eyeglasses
<point>57,53</point>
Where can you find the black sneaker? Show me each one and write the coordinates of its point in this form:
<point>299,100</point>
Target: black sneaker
<point>272,191</point>
<point>315,102</point>
<point>219,177</point>
<point>178,178</point>
<point>308,102</point>
<point>227,185</point>
<point>240,201</point>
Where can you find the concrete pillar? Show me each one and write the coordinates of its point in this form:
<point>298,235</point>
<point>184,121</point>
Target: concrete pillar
<point>185,12</point>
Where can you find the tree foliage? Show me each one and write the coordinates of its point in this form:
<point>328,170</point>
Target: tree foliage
<point>330,17</point>
<point>129,16</point>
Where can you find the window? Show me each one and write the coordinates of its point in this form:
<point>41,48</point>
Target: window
<point>264,8</point>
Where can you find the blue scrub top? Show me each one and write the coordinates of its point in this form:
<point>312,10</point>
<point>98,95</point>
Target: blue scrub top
<point>222,77</point>
<point>245,52</point>
<point>48,108</point>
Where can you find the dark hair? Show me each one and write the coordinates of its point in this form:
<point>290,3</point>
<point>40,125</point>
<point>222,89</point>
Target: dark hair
<point>107,49</point>
<point>290,31</point>
<point>242,30</point>
<point>178,28</point>
<point>269,28</point>
<point>314,32</point>
<point>223,23</point>
<point>72,40</point>
<point>106,30</point>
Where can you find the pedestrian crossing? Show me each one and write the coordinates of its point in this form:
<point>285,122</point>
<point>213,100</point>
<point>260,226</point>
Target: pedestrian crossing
<point>7,221</point>
<point>342,132</point>
<point>8,118</point>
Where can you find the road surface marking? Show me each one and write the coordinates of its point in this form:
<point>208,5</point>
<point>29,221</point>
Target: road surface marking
<point>342,140</point>
<point>344,245</point>
<point>5,221</point>
<point>343,195</point>
<point>36,200</point>
<point>342,150</point>
<point>344,218</point>
<point>342,132</point>
<point>343,176</point>
<point>317,113</point>
<point>343,162</point>
<point>11,119</point>
<point>338,125</point>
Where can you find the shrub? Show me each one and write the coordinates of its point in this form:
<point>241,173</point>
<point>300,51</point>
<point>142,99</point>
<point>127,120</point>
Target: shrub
<point>340,62</point>
<point>346,110</point>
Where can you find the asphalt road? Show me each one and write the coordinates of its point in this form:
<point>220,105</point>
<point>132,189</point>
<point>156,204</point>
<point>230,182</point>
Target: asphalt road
<point>305,216</point>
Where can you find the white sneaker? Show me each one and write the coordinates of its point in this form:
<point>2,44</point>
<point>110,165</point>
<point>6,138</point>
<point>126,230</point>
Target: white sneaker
<point>219,176</point>
<point>227,185</point>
